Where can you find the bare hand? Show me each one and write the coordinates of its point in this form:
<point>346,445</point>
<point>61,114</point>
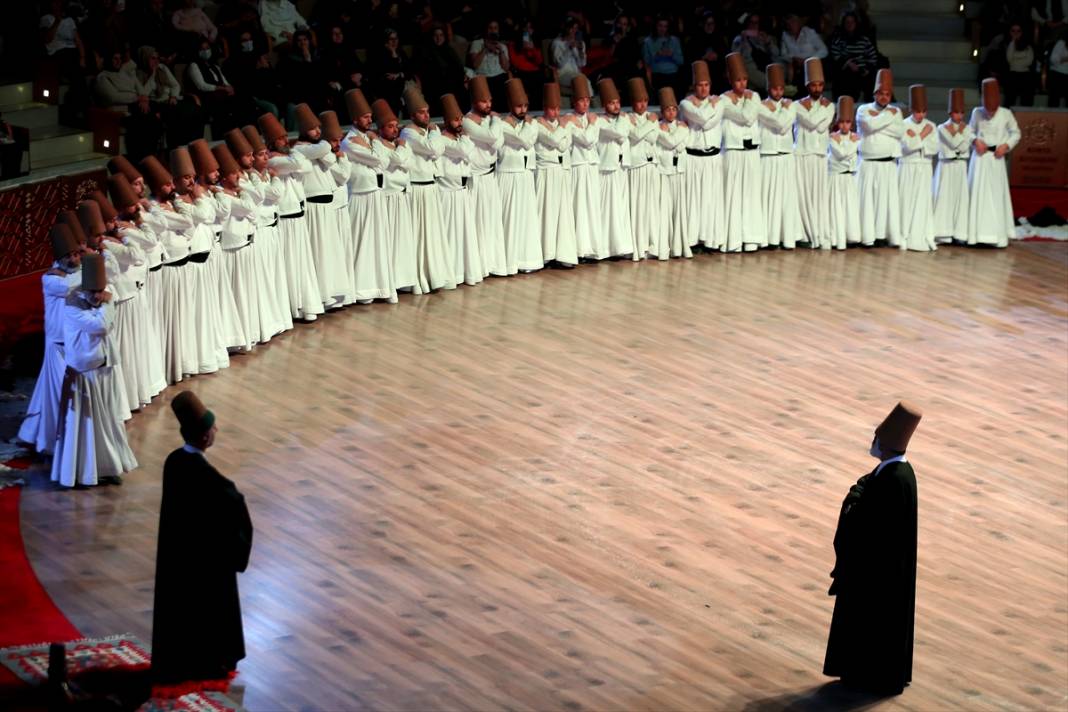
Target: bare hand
<point>1001,150</point>
<point>980,147</point>
<point>926,131</point>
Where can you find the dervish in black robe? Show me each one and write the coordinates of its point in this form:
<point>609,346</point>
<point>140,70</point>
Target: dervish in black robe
<point>205,537</point>
<point>870,644</point>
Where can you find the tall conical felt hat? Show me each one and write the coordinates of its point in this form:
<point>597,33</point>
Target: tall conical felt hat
<point>271,127</point>
<point>383,113</point>
<point>121,164</point>
<point>306,118</point>
<point>414,100</point>
<point>896,430</point>
<point>155,174</point>
<point>94,275</point>
<point>606,88</point>
<point>884,81</point>
<point>846,108</point>
<point>450,108</point>
<point>331,126</point>
<point>106,208</point>
<point>991,94</point>
<point>227,163</point>
<point>956,101</point>
<point>194,418</point>
<point>775,74</point>
<point>917,98</point>
<point>550,95</point>
<point>63,241</point>
<point>636,90</point>
<point>813,70</point>
<point>252,135</point>
<point>517,95</point>
<point>182,162</point>
<point>70,219</point>
<point>203,158</point>
<point>479,88</point>
<point>700,71</point>
<point>356,103</point>
<point>122,193</point>
<point>91,218</point>
<point>736,67</point>
<point>238,144</point>
<point>580,88</point>
<point>667,98</point>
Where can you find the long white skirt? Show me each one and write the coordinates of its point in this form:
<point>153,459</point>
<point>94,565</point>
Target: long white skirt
<point>782,215</point>
<point>302,284</point>
<point>205,329</point>
<point>556,215</point>
<point>327,252</point>
<point>880,205</point>
<point>275,294</point>
<point>703,192</point>
<point>372,249</point>
<point>522,229</point>
<point>489,222</point>
<point>591,238</point>
<point>243,274</point>
<point>458,215</point>
<point>348,249</point>
<point>42,414</point>
<point>128,322</point>
<point>267,319</point>
<point>990,217</point>
<point>671,238</point>
<point>398,210</point>
<point>151,303</point>
<point>645,215</point>
<point>744,217</point>
<point>917,214</point>
<point>229,332</point>
<point>951,204</point>
<point>433,261</point>
<point>187,295</point>
<point>615,213</point>
<point>813,186</point>
<point>174,321</point>
<point>843,224</point>
<point>92,440</point>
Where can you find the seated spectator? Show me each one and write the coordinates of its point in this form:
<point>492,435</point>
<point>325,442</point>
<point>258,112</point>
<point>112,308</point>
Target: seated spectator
<point>217,96</point>
<point>1057,77</point>
<point>280,21</point>
<point>249,68</point>
<point>488,56</point>
<point>1018,82</point>
<point>63,45</point>
<point>758,50</point>
<point>116,87</point>
<point>301,75</point>
<point>182,117</point>
<point>342,69</point>
<point>567,53</point>
<point>624,54</point>
<point>798,44</point>
<point>237,18</point>
<point>854,59</point>
<point>440,70</point>
<point>528,65</point>
<point>193,26</point>
<point>662,55</point>
<point>711,46</point>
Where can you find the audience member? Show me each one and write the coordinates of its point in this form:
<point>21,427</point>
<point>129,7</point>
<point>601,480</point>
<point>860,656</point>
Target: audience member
<point>710,46</point>
<point>280,21</point>
<point>488,56</point>
<point>1057,77</point>
<point>216,94</point>
<point>301,74</point>
<point>63,45</point>
<point>439,69</point>
<point>390,69</point>
<point>798,44</point>
<point>758,50</point>
<point>567,54</point>
<point>193,25</point>
<point>183,120</point>
<point>236,18</point>
<point>249,68</point>
<point>1018,82</point>
<point>117,88</point>
<point>624,53</point>
<point>662,55</point>
<point>854,59</point>
<point>342,69</point>
<point>528,63</point>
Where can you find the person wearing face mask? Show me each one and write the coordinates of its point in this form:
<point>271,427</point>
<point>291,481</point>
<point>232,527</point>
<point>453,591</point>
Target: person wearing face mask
<point>217,96</point>
<point>874,578</point>
<point>996,133</point>
<point>91,444</point>
<point>42,416</point>
<point>249,69</point>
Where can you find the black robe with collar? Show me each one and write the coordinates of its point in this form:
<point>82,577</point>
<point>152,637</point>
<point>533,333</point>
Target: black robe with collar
<point>205,537</point>
<point>871,636</point>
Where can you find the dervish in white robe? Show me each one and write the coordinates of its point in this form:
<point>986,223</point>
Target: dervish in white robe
<point>779,176</point>
<point>880,130</point>
<point>519,211</point>
<point>951,201</point>
<point>990,217</point>
<point>487,135</point>
<point>919,146</point>
<point>556,213</point>
<point>744,216</point>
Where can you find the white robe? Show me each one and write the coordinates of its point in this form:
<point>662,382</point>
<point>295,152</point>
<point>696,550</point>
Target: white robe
<point>915,176</point>
<point>880,202</point>
<point>371,248</point>
<point>327,243</point>
<point>150,306</point>
<point>269,245</point>
<point>519,212</point>
<point>302,284</point>
<point>590,237</point>
<point>211,322</point>
<point>990,212</point>
<point>125,262</point>
<point>779,173</point>
<point>267,315</point>
<point>951,204</point>
<point>643,183</point>
<point>703,178</point>
<point>398,210</point>
<point>434,264</point>
<point>810,156</point>
<point>843,215</point>
<point>458,210</point>
<point>672,235</point>
<point>487,136</point>
<point>744,208</point>
<point>176,286</point>
<point>239,261</point>
<point>552,183</point>
<point>613,151</point>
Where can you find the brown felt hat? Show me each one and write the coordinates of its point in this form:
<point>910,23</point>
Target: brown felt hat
<point>991,94</point>
<point>414,100</point>
<point>636,90</point>
<point>736,67</point>
<point>106,208</point>
<point>331,126</point>
<point>194,418</point>
<point>606,89</point>
<point>155,174</point>
<point>517,95</point>
<point>271,127</point>
<point>252,135</point>
<point>956,101</point>
<point>70,219</point>
<point>775,74</point>
<point>580,88</point>
<point>306,118</point>
<point>813,70</point>
<point>122,193</point>
<point>383,112</point>
<point>700,71</point>
<point>356,103</point>
<point>203,158</point>
<point>182,162</point>
<point>227,163</point>
<point>846,108</point>
<point>917,98</point>
<point>884,81</point>
<point>239,145</point>
<point>91,218</point>
<point>550,95</point>
<point>63,240</point>
<point>667,98</point>
<point>450,108</point>
<point>896,430</point>
<point>121,164</point>
<point>94,275</point>
<point>479,88</point>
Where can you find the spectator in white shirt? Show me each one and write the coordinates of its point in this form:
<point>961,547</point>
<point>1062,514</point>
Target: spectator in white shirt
<point>280,20</point>
<point>1019,82</point>
<point>193,24</point>
<point>1057,77</point>
<point>488,56</point>
<point>59,35</point>
<point>798,44</point>
<point>568,53</point>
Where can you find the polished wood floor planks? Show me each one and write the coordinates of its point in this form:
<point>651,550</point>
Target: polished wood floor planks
<point>616,487</point>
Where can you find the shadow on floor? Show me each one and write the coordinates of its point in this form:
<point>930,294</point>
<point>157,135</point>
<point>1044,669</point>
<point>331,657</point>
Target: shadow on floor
<point>832,696</point>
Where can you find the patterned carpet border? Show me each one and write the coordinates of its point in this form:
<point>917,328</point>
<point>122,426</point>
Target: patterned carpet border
<point>117,652</point>
<point>195,702</point>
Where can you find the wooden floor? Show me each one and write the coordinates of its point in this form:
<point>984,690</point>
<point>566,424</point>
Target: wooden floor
<point>615,488</point>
